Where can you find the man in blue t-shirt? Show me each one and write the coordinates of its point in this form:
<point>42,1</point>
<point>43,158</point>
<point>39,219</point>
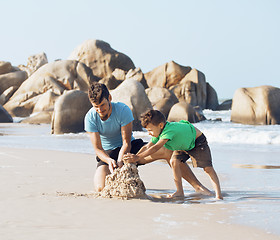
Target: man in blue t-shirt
<point>109,126</point>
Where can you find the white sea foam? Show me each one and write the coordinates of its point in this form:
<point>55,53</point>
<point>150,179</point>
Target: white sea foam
<point>233,134</point>
<point>226,132</point>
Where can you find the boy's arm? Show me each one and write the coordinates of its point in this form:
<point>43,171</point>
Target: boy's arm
<point>100,152</point>
<point>126,132</point>
<point>153,149</point>
<point>150,149</point>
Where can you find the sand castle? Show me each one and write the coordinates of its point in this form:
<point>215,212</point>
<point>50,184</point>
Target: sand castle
<point>124,183</point>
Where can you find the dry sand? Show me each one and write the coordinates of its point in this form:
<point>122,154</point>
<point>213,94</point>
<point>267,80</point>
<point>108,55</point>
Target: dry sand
<point>48,195</point>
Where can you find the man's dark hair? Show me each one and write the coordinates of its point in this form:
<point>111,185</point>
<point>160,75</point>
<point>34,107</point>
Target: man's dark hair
<point>97,92</point>
<point>154,117</point>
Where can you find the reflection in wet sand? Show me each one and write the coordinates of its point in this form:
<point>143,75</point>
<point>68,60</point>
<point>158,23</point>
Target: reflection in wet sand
<point>255,166</point>
<point>198,198</point>
<point>162,196</point>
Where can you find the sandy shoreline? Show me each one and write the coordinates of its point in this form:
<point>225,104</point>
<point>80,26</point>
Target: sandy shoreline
<point>32,206</point>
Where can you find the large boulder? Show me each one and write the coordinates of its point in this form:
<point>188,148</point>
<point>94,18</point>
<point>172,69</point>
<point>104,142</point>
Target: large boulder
<point>161,99</point>
<point>5,96</point>
<point>225,105</point>
<point>69,112</point>
<point>185,111</point>
<point>5,117</point>
<point>5,67</point>
<point>132,93</point>
<point>57,77</point>
<point>196,94</point>
<point>212,101</point>
<point>111,82</point>
<point>137,74</point>
<point>12,79</point>
<point>256,106</point>
<point>119,75</point>
<point>45,102</point>
<point>39,118</point>
<point>34,62</point>
<point>101,58</point>
<point>166,75</point>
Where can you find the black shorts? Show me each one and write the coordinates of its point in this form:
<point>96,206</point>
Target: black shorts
<point>200,154</point>
<point>136,145</point>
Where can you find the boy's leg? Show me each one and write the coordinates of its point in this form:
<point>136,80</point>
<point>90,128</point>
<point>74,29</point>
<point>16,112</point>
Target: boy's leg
<point>201,157</point>
<point>215,181</point>
<point>99,178</point>
<point>187,173</point>
<point>189,176</point>
<point>175,165</point>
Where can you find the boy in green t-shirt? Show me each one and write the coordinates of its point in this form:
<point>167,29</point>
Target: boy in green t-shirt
<point>176,142</point>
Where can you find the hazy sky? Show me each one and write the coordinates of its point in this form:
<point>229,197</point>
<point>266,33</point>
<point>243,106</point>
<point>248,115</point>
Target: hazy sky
<point>234,43</point>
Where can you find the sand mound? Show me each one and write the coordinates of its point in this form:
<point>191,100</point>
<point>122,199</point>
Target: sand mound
<point>124,182</point>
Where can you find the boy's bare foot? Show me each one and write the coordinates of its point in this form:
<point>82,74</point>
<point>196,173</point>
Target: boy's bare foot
<point>219,198</point>
<point>176,195</point>
<point>204,191</point>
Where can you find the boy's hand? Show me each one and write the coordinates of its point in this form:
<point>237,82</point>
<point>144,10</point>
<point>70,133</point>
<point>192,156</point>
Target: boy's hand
<point>130,158</point>
<point>120,164</point>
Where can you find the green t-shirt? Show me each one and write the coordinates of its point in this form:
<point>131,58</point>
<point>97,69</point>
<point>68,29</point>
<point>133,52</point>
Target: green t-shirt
<point>181,136</point>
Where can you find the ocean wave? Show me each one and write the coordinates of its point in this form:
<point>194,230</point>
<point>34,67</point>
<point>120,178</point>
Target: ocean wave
<point>226,132</point>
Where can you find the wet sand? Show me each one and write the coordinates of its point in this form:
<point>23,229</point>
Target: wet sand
<point>48,195</point>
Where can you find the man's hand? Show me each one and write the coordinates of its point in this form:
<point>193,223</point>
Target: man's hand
<point>130,158</point>
<point>112,165</point>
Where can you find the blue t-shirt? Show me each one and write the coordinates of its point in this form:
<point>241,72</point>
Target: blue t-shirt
<point>110,129</point>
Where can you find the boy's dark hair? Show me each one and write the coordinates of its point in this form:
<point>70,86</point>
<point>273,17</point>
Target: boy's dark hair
<point>97,92</point>
<point>154,117</point>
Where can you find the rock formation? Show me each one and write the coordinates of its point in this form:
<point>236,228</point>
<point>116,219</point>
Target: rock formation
<point>55,77</point>
<point>33,92</point>
<point>101,58</point>
<point>69,112</point>
<point>34,62</point>
<point>5,117</point>
<point>187,84</point>
<point>5,67</point>
<point>12,79</point>
<point>132,93</point>
<point>161,99</point>
<point>167,75</point>
<point>184,111</point>
<point>257,105</point>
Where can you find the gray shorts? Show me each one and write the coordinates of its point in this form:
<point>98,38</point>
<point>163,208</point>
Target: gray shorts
<point>200,154</point>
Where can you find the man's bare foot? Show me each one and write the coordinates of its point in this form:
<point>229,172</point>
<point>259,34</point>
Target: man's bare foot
<point>176,195</point>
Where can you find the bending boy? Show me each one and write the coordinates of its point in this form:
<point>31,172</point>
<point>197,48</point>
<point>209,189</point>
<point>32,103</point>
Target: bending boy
<point>177,141</point>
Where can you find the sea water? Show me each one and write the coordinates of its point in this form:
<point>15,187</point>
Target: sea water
<point>246,157</point>
<point>223,133</point>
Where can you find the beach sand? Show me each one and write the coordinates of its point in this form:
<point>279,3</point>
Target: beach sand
<point>48,195</point>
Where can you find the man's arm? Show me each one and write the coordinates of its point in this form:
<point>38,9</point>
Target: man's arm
<point>126,132</point>
<point>100,152</point>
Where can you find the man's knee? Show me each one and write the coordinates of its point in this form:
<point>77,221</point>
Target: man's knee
<point>98,187</point>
